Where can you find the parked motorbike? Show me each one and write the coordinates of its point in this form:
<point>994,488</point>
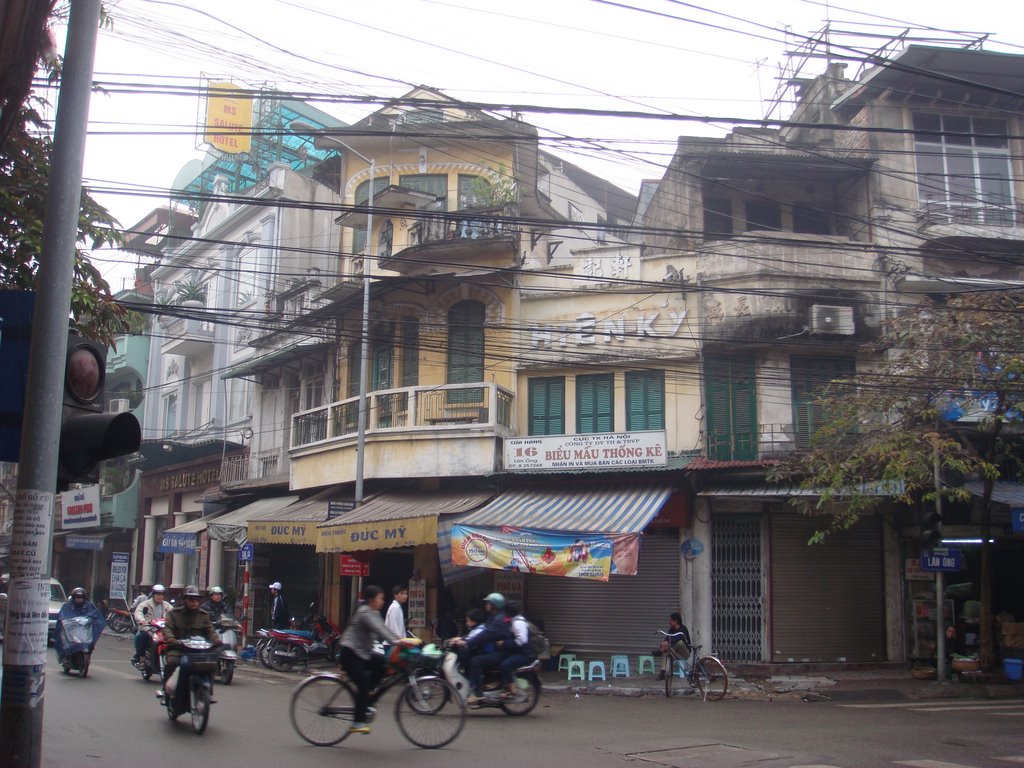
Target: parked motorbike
<point>527,684</point>
<point>227,627</point>
<point>202,660</point>
<point>152,663</point>
<point>120,620</point>
<point>77,642</point>
<point>290,647</point>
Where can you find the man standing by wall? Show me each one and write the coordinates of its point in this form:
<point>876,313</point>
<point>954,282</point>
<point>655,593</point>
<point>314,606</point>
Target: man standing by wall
<point>278,607</point>
<point>395,619</point>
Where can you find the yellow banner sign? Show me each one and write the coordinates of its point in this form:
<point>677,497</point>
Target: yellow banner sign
<point>228,118</point>
<point>270,532</point>
<point>383,534</point>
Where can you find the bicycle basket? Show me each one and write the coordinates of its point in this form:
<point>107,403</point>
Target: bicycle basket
<point>429,658</point>
<point>201,661</point>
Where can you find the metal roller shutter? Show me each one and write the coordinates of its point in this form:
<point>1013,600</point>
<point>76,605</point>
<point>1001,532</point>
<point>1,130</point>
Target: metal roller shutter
<point>828,599</point>
<point>621,615</point>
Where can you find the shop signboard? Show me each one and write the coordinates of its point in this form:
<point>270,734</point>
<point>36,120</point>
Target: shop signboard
<point>417,604</point>
<point>119,574</point>
<point>350,566</point>
<point>339,508</point>
<point>944,559</point>
<point>1017,519</point>
<point>245,552</point>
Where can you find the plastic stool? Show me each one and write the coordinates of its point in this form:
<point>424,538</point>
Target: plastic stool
<point>576,670</point>
<point>620,666</point>
<point>564,659</point>
<point>645,664</point>
<point>596,668</point>
<point>682,668</point>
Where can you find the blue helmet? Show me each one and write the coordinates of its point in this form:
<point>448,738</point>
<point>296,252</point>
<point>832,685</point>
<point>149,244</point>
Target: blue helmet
<point>496,599</point>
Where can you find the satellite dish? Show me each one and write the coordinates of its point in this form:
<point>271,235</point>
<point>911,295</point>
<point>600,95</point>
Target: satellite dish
<point>189,172</point>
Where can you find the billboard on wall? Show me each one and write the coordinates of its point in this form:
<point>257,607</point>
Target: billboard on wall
<point>228,118</point>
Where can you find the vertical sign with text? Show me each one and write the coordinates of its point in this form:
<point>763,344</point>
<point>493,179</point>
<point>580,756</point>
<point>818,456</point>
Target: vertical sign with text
<point>119,574</point>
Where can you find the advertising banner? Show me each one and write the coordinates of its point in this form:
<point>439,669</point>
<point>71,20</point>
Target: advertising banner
<point>578,555</point>
<point>80,508</point>
<point>119,574</point>
<point>417,604</point>
<point>590,451</point>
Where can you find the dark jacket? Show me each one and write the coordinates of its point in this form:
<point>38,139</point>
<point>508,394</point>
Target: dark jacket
<point>279,618</point>
<point>497,630</point>
<point>216,610</point>
<point>182,623</point>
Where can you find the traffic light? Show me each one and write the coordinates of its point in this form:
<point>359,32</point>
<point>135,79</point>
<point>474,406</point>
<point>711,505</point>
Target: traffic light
<point>930,522</point>
<point>87,435</point>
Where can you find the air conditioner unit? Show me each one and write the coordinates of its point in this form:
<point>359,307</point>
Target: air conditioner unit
<point>119,405</point>
<point>828,319</point>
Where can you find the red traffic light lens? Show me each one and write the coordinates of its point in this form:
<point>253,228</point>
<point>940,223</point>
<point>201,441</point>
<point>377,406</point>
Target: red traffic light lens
<point>84,374</point>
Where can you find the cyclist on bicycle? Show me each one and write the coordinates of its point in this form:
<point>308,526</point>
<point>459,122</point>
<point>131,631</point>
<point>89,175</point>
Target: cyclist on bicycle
<point>678,641</point>
<point>357,658</point>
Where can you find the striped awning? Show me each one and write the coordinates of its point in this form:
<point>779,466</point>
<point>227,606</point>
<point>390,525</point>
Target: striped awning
<point>596,509</point>
<point>294,524</point>
<point>233,526</point>
<point>395,520</point>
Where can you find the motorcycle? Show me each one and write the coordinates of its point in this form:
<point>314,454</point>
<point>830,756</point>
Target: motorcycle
<point>202,660</point>
<point>527,683</point>
<point>77,641</point>
<point>152,663</point>
<point>290,647</point>
<point>120,620</point>
<point>227,627</point>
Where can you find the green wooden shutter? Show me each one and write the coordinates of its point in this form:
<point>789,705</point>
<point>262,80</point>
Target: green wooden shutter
<point>362,195</point>
<point>595,403</point>
<point>744,410</point>
<point>731,405</point>
<point>465,350</point>
<point>410,352</point>
<point>547,406</point>
<point>645,400</point>
<point>808,377</point>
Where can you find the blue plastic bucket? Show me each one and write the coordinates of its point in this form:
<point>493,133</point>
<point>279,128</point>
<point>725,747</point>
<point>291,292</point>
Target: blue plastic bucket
<point>1012,668</point>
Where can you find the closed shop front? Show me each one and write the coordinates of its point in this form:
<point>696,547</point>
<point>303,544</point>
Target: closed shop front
<point>621,615</point>
<point>828,600</point>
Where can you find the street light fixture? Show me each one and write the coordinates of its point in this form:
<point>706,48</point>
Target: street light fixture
<point>325,141</point>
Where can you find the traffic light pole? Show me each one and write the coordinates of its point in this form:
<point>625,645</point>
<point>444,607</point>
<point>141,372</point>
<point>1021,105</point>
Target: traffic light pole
<point>22,692</point>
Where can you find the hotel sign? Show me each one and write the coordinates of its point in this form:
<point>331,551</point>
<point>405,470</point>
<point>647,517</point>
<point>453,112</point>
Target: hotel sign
<point>625,449</point>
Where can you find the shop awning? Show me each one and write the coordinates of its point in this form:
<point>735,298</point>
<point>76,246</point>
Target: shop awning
<point>88,541</point>
<point>587,533</point>
<point>184,539</point>
<point>782,490</point>
<point>395,520</point>
<point>294,524</point>
<point>233,526</point>
<point>276,359</point>
<point>1003,492</point>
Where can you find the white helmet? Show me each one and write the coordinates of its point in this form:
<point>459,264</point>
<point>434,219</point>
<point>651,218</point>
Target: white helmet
<point>158,588</point>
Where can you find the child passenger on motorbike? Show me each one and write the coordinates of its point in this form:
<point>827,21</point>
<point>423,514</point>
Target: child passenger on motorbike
<point>497,631</point>
<point>518,651</point>
<point>185,621</point>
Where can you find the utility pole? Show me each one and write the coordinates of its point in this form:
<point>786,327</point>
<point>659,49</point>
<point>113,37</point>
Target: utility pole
<point>22,693</point>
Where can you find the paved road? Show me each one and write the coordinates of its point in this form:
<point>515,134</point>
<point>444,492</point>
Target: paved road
<point>112,719</point>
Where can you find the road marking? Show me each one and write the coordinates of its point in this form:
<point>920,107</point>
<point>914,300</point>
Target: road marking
<point>930,764</point>
<point>971,708</point>
<point>940,705</point>
<point>1012,758</point>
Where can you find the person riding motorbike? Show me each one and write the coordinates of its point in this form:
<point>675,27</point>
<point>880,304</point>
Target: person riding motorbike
<point>78,606</point>
<point>497,631</point>
<point>215,605</point>
<point>518,651</point>
<point>185,621</point>
<point>145,612</point>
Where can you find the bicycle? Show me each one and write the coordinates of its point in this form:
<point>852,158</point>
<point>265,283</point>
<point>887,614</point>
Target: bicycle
<point>429,711</point>
<point>705,674</point>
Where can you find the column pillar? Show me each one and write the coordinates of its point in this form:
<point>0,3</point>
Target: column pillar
<point>178,561</point>
<point>148,550</point>
<point>215,569</point>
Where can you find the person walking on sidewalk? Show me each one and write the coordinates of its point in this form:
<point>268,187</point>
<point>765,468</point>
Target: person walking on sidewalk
<point>279,618</point>
<point>395,619</point>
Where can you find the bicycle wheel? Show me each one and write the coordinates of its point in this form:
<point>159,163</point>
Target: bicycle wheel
<point>430,713</point>
<point>712,679</point>
<point>200,706</point>
<point>322,709</point>
<point>669,675</point>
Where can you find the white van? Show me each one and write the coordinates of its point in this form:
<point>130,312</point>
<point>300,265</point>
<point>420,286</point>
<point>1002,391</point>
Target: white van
<point>57,600</point>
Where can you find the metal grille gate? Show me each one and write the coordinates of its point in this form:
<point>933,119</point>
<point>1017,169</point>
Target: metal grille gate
<point>736,587</point>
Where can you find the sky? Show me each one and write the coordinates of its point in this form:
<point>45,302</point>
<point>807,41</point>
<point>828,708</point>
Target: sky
<point>680,64</point>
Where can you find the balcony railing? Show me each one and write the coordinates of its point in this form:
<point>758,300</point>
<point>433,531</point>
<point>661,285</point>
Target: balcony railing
<point>268,465</point>
<point>773,441</point>
<point>480,224</point>
<point>968,213</point>
<point>444,408</point>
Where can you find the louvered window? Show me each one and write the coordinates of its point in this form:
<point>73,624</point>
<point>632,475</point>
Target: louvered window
<point>645,400</point>
<point>465,350</point>
<point>547,405</point>
<point>595,403</point>
<point>731,407</point>
<point>809,376</point>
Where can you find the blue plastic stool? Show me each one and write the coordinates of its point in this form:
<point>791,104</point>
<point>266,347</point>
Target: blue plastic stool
<point>620,666</point>
<point>564,659</point>
<point>682,668</point>
<point>596,668</point>
<point>645,664</point>
<point>576,670</point>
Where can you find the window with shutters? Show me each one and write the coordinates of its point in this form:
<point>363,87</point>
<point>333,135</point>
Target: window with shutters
<point>809,376</point>
<point>595,403</point>
<point>435,184</point>
<point>465,350</point>
<point>731,406</point>
<point>547,405</point>
<point>410,352</point>
<point>645,400</point>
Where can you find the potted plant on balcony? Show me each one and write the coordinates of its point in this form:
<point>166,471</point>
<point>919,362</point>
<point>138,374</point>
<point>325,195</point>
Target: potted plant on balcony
<point>191,293</point>
<point>163,299</point>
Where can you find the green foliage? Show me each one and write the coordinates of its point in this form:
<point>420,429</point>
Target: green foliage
<point>25,159</point>
<point>885,425</point>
